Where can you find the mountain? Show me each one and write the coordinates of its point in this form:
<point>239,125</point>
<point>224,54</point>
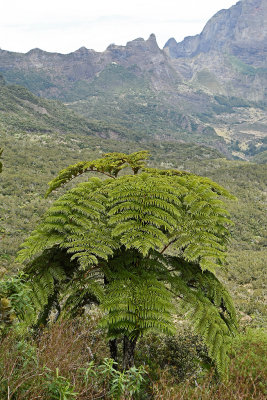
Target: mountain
<point>209,89</point>
<point>66,76</point>
<point>240,31</point>
<point>232,47</point>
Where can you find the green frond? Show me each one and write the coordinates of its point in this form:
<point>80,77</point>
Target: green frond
<point>111,164</point>
<point>81,291</point>
<point>137,304</point>
<point>210,307</point>
<point>76,223</point>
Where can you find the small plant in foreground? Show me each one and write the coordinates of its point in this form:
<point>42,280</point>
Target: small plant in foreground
<point>59,387</point>
<point>120,384</point>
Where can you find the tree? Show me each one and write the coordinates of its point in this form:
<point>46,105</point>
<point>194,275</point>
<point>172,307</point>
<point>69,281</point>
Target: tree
<point>139,245</point>
<point>1,165</point>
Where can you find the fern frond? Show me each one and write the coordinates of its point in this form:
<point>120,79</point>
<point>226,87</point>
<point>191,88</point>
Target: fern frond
<point>76,223</point>
<point>210,307</point>
<point>111,164</point>
<point>137,304</point>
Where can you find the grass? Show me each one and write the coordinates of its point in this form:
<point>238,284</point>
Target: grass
<point>70,359</point>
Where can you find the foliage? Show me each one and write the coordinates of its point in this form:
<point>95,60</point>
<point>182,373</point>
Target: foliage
<point>248,285</point>
<point>59,387</point>
<point>15,302</point>
<point>42,369</point>
<point>28,367</point>
<point>249,350</point>
<point>122,385</point>
<point>183,354</point>
<point>120,228</point>
<point>247,375</point>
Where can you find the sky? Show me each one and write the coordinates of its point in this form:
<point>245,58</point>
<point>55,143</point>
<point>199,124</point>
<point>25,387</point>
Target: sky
<point>64,26</point>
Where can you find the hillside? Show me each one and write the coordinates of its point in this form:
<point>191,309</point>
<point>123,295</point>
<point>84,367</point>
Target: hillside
<point>30,162</point>
<point>132,97</point>
<point>22,111</point>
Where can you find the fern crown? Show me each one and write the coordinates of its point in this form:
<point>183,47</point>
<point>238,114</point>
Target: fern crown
<point>136,244</point>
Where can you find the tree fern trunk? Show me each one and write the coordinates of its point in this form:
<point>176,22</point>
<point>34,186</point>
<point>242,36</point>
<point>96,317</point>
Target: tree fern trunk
<point>113,348</point>
<point>45,314</point>
<point>128,352</point>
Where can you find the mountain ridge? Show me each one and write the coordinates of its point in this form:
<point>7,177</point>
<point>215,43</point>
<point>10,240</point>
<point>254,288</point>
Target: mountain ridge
<point>209,96</point>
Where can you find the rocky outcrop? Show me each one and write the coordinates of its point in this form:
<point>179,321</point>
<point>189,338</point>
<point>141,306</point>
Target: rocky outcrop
<point>229,57</point>
<point>241,31</point>
<point>57,72</point>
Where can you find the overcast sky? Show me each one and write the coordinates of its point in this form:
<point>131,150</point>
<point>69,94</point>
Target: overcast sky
<point>64,26</point>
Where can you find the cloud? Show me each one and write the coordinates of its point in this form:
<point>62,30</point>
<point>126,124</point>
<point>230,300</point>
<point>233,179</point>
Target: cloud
<point>64,26</point>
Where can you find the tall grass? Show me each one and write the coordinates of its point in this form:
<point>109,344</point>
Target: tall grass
<point>68,361</point>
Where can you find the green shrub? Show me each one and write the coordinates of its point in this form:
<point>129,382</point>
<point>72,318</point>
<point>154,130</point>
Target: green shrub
<point>184,355</point>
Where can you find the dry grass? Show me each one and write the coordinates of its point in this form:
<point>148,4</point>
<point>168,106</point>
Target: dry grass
<point>240,386</point>
<point>27,368</point>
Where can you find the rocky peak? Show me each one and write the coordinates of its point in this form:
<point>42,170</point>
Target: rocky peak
<point>35,51</point>
<point>240,30</point>
<point>137,51</point>
<point>152,43</point>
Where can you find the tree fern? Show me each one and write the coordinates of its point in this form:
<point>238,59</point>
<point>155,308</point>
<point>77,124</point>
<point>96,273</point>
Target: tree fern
<point>109,242</point>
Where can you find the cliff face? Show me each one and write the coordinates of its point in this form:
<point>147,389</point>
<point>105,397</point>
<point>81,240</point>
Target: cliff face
<point>229,56</point>
<point>240,31</point>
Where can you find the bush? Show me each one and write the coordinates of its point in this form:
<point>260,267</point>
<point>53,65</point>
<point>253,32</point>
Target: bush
<point>247,375</point>
<point>184,355</point>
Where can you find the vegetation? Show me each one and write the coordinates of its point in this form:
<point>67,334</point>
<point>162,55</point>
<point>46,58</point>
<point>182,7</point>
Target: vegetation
<point>80,369</point>
<point>177,366</point>
<point>21,111</point>
<point>111,237</point>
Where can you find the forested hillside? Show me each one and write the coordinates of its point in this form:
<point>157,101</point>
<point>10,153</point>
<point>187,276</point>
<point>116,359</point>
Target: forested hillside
<point>30,162</point>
